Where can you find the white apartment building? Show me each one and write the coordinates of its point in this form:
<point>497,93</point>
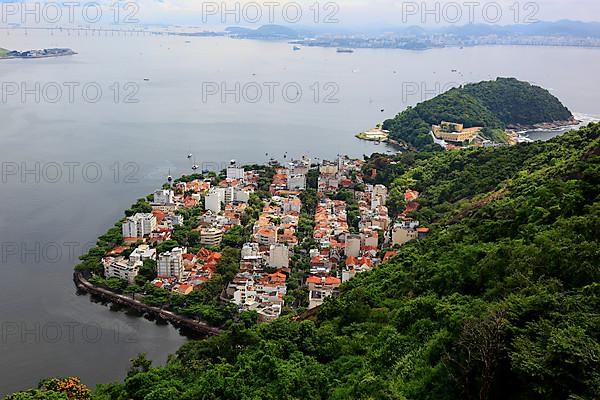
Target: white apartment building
<point>213,201</point>
<point>242,195</point>
<point>289,205</point>
<point>174,220</point>
<point>250,251</point>
<point>211,237</point>
<point>139,225</point>
<point>299,167</point>
<point>164,197</point>
<point>379,195</point>
<point>218,196</point>
<point>170,264</point>
<point>121,268</point>
<point>143,252</point>
<point>234,171</point>
<point>279,256</point>
<point>297,182</point>
<point>352,248</point>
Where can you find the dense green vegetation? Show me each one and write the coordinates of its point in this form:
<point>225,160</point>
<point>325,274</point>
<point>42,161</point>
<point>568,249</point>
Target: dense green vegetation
<point>501,301</point>
<point>518,103</point>
<point>491,104</point>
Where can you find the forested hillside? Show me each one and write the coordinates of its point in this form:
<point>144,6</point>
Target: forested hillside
<point>493,104</point>
<point>501,301</point>
<point>518,103</point>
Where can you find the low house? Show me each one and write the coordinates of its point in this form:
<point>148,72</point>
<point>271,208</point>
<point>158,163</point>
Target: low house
<point>321,287</point>
<point>183,289</point>
<point>356,266</point>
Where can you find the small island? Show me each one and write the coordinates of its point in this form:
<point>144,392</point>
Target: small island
<point>43,53</point>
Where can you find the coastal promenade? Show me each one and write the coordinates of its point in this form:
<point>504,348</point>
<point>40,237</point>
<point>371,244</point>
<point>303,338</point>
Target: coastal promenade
<point>177,320</point>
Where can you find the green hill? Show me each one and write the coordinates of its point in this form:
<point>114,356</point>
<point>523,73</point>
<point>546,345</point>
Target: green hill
<point>495,104</point>
<point>501,301</point>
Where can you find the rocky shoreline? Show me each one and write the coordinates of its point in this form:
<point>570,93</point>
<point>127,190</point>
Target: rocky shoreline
<point>546,125</point>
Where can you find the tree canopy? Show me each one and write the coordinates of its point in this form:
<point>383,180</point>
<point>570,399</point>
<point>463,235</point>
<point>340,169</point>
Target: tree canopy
<point>494,105</point>
<point>500,301</point>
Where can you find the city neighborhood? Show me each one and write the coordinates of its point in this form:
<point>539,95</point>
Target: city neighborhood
<point>288,255</point>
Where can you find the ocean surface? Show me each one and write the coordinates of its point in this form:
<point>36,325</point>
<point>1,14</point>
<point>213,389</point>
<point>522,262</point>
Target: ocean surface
<point>84,136</point>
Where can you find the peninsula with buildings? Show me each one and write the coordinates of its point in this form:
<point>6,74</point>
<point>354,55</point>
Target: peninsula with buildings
<point>43,53</point>
<point>376,134</point>
<point>398,274</point>
<point>261,241</point>
<point>251,241</point>
<point>484,114</point>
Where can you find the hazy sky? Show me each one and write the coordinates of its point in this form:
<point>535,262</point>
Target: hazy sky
<point>350,13</point>
<point>324,14</point>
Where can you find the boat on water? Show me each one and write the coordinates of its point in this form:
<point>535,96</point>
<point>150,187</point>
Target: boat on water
<point>345,50</point>
<point>296,48</point>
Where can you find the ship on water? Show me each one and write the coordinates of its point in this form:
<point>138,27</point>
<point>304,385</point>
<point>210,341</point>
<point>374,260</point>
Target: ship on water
<point>344,50</point>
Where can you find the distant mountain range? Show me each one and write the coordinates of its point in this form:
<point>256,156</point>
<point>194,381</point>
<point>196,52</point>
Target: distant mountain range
<point>559,28</point>
<point>266,32</point>
<point>560,33</point>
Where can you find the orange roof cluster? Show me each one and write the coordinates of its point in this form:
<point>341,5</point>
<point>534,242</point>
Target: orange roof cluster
<point>190,202</point>
<point>230,183</point>
<point>196,186</point>
<point>354,261</point>
<point>189,256</point>
<point>330,216</point>
<point>325,280</point>
<point>275,279</point>
<point>160,215</point>
<point>207,256</point>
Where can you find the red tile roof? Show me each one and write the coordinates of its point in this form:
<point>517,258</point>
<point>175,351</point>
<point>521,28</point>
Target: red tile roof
<point>388,255</point>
